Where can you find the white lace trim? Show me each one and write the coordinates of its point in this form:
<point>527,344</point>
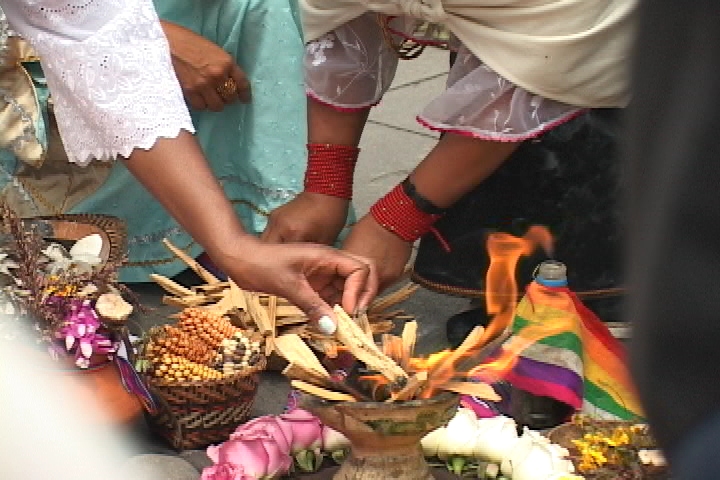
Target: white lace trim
<point>108,67</point>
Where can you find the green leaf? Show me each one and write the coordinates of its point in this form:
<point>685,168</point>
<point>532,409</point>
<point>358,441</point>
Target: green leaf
<point>318,458</point>
<point>339,456</point>
<point>456,465</point>
<point>305,461</point>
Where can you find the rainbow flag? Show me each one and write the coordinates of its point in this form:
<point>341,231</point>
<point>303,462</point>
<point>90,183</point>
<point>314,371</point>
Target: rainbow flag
<point>570,355</point>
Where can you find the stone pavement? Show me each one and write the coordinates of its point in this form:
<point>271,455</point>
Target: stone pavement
<point>393,143</point>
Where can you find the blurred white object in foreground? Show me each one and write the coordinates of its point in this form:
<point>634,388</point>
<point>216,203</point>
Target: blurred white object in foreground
<point>46,433</point>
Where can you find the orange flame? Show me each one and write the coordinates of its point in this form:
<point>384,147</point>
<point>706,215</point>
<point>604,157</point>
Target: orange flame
<point>501,296</point>
<point>505,251</point>
<point>501,299</point>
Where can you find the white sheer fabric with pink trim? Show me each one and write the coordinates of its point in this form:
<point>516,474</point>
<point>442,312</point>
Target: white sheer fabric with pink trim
<point>352,67</point>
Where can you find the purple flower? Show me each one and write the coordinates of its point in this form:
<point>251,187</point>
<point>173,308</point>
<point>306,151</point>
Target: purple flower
<point>82,333</point>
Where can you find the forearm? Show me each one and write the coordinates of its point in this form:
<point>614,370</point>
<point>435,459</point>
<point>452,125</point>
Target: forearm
<point>333,137</point>
<point>327,125</point>
<point>456,165</point>
<point>170,30</point>
<point>176,173</point>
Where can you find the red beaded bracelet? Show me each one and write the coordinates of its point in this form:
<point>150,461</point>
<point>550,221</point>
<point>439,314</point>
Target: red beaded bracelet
<point>398,213</point>
<point>330,169</point>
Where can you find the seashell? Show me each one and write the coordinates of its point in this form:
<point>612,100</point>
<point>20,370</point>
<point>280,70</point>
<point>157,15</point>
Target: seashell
<point>89,246</point>
<point>112,306</point>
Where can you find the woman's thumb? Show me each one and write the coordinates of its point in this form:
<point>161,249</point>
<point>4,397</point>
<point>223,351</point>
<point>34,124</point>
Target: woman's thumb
<point>319,313</point>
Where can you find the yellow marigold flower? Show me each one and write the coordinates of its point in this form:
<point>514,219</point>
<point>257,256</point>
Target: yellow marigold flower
<point>598,457</point>
<point>581,444</point>
<point>618,438</point>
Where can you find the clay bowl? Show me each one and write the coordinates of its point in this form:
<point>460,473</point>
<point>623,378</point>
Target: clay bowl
<point>384,437</point>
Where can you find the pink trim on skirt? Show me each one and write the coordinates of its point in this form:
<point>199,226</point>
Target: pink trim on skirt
<point>499,137</point>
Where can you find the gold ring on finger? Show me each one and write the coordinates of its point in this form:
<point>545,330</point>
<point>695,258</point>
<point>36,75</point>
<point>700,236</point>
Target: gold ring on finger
<point>227,89</point>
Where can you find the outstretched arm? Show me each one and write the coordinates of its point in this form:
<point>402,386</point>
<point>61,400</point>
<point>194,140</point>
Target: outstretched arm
<point>148,123</point>
<point>176,173</point>
<point>318,214</point>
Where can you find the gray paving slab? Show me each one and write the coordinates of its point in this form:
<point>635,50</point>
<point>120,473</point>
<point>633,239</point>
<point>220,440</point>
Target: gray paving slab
<point>432,62</point>
<point>388,155</point>
<point>400,107</point>
<point>393,142</point>
<point>159,467</point>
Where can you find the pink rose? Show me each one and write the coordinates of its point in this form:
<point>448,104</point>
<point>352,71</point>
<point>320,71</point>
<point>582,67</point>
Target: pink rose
<point>305,427</point>
<point>269,425</point>
<point>258,453</point>
<point>224,471</point>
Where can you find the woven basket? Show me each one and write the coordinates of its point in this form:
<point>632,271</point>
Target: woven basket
<point>196,414</point>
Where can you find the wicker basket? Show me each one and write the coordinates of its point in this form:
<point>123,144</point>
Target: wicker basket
<point>196,414</point>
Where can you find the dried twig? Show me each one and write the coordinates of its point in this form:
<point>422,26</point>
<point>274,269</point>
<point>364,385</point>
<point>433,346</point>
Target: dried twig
<point>293,349</point>
<point>321,392</point>
<point>171,287</point>
<point>480,390</point>
<point>409,338</point>
<point>350,335</point>
<point>414,385</point>
<point>191,262</point>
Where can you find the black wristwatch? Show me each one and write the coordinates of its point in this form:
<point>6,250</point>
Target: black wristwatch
<point>422,203</point>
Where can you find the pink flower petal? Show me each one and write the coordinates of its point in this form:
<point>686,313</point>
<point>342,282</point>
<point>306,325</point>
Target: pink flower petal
<point>306,429</point>
<point>213,453</point>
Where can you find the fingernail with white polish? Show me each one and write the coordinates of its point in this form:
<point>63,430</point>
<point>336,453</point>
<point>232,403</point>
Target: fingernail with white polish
<point>326,325</point>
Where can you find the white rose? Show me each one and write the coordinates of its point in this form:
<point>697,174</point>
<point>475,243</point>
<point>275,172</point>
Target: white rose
<point>333,440</point>
<point>496,437</point>
<point>532,459</point>
<point>431,442</point>
<point>460,435</point>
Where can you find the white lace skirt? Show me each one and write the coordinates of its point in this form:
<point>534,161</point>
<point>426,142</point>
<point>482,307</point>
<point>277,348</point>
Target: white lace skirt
<point>352,67</point>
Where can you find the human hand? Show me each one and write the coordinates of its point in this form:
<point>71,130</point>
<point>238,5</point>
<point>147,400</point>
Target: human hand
<point>313,277</point>
<point>203,68</point>
<point>386,250</point>
<point>309,217</point>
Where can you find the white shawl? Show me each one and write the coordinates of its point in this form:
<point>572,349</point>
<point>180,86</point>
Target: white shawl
<point>572,51</point>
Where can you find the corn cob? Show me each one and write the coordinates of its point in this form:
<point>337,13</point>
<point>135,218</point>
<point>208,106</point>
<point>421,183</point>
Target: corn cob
<point>172,340</point>
<point>207,326</point>
<point>178,369</point>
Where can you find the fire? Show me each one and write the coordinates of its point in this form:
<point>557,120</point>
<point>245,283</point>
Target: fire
<point>427,364</point>
<point>501,295</point>
<point>471,358</point>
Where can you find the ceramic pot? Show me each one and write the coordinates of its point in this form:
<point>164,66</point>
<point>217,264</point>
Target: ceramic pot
<point>384,437</point>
